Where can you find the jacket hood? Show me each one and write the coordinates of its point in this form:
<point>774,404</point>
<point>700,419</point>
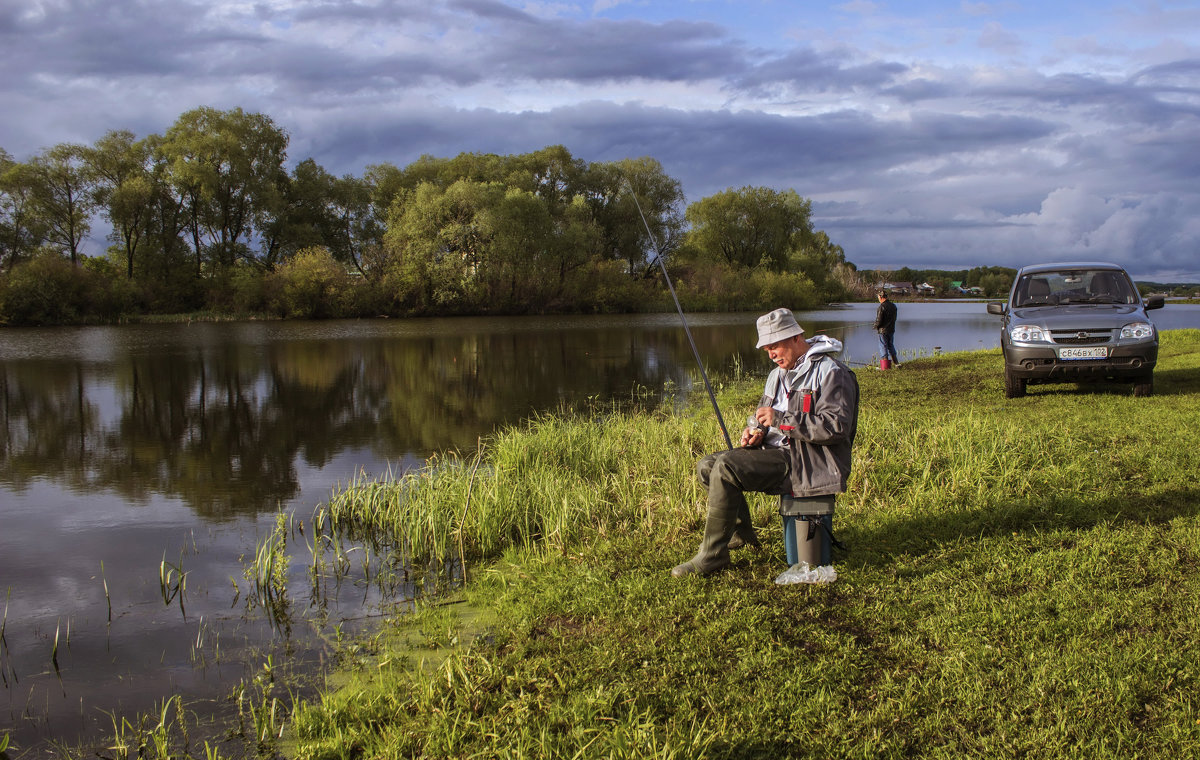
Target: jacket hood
<point>818,346</point>
<point>823,344</point>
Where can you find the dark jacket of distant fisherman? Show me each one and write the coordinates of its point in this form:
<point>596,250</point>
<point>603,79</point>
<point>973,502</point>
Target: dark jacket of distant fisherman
<point>820,439</point>
<point>885,317</point>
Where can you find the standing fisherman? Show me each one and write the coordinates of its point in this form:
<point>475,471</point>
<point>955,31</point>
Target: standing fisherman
<point>798,442</point>
<point>885,325</point>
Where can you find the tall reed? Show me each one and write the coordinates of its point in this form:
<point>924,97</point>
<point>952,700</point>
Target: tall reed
<point>107,597</point>
<point>4,623</point>
<point>268,573</point>
<point>5,664</point>
<point>545,484</point>
<point>172,583</point>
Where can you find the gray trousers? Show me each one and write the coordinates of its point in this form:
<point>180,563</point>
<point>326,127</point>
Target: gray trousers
<point>728,475</point>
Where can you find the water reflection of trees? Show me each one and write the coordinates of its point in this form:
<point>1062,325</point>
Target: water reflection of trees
<point>47,421</point>
<point>223,428</point>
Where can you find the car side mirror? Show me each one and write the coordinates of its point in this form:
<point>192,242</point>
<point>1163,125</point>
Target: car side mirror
<point>1154,302</point>
<point>996,307</point>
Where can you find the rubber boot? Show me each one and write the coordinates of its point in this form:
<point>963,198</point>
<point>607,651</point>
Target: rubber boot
<point>743,532</point>
<point>713,554</point>
<point>728,475</point>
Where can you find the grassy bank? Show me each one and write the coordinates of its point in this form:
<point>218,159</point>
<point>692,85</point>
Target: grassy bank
<point>1022,580</point>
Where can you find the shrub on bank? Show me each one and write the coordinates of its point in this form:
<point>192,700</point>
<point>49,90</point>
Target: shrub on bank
<point>711,286</point>
<point>311,285</point>
<point>50,290</point>
<point>44,291</point>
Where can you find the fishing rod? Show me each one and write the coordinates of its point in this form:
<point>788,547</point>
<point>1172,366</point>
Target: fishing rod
<point>695,352</point>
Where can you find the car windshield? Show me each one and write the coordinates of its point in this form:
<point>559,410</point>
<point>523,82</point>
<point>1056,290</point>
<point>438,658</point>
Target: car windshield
<point>1073,286</point>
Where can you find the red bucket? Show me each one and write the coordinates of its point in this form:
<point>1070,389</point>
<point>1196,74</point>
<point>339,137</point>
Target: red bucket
<point>885,363</point>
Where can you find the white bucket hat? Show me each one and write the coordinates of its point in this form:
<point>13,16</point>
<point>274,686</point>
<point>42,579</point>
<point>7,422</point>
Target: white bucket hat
<point>776,326</point>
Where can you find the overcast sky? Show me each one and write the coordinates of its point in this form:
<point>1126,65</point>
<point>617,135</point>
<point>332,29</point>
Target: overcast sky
<point>928,134</point>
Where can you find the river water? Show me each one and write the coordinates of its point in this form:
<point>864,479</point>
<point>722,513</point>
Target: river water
<point>134,454</point>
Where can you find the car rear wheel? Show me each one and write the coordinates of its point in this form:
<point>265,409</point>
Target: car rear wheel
<point>1014,387</point>
<point>1144,386</point>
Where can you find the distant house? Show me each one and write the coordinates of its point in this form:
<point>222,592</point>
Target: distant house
<point>896,288</point>
<point>925,289</point>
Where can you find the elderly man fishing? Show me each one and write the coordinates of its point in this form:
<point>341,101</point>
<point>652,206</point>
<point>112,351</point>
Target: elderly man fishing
<point>798,441</point>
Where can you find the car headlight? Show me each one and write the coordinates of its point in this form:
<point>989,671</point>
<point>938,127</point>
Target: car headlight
<point>1027,334</point>
<point>1138,330</point>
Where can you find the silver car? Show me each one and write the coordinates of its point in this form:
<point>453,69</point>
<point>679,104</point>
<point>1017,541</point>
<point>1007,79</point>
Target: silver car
<point>1075,322</point>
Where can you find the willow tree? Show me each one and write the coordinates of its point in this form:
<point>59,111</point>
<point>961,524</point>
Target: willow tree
<point>750,227</point>
<point>62,196</point>
<point>487,247</point>
<point>624,193</point>
<point>437,243</point>
<point>21,229</point>
<point>124,189</point>
<point>610,191</point>
<point>226,166</point>
<point>294,214</point>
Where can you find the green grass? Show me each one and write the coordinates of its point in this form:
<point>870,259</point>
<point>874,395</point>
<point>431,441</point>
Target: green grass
<point>1023,580</point>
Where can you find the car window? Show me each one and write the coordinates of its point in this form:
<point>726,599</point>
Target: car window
<point>1073,286</point>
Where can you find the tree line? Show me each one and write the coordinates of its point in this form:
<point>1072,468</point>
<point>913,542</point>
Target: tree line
<point>207,216</point>
<point>994,281</point>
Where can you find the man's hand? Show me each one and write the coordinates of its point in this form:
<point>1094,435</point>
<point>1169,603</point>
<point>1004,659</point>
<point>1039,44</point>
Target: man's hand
<point>752,437</point>
<point>765,416</point>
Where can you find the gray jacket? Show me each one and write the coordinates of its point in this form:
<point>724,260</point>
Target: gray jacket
<point>819,432</point>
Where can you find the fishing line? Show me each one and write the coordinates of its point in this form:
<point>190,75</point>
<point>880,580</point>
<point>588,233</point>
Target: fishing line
<point>844,327</point>
<point>847,327</point>
<point>695,352</point>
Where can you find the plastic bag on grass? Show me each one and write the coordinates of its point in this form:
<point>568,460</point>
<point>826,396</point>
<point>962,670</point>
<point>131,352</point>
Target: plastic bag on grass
<point>802,572</point>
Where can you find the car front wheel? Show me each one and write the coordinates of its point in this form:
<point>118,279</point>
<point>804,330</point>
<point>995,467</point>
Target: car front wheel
<point>1014,387</point>
<point>1144,386</point>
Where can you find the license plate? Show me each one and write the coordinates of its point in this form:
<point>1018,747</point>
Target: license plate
<point>1083,353</point>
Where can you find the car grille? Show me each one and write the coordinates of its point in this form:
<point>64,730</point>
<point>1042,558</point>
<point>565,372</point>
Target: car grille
<point>1077,337</point>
